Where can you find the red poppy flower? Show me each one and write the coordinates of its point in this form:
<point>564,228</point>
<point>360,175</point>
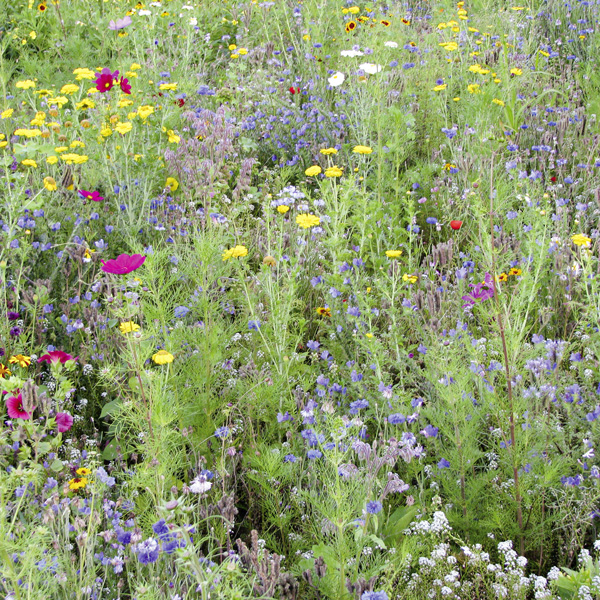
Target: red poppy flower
<point>105,79</point>
<point>95,196</point>
<point>123,264</point>
<point>56,356</point>
<point>125,85</point>
<point>180,102</point>
<point>456,225</point>
<point>553,179</point>
<point>14,406</point>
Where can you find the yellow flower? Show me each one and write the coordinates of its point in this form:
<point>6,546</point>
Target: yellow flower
<point>69,88</point>
<point>128,327</point>
<point>173,138</point>
<point>162,357</point>
<point>135,67</point>
<point>83,471</point>
<point>306,221</point>
<point>333,172</point>
<point>327,152</point>
<point>83,74</point>
<point>324,311</point>
<point>231,47</point>
<point>50,184</point>
<point>22,361</point>
<point>25,85</point>
<point>85,104</point>
<point>28,133</point>
<point>171,87</point>
<point>123,128</point>
<point>581,240</point>
<point>123,102</point>
<point>59,101</point>
<point>503,277</point>
<point>313,171</point>
<point>393,253</point>
<point>235,252</point>
<point>282,209</point>
<point>60,149</point>
<point>5,114</point>
<point>70,158</point>
<point>77,144</point>
<point>514,271</point>
<point>145,111</point>
<point>498,102</point>
<point>4,371</point>
<point>409,278</point>
<point>105,131</point>
<point>362,150</point>
<point>242,51</point>
<point>172,183</point>
<point>473,88</point>
<point>77,483</point>
<point>354,10</point>
<point>439,88</point>
<point>516,71</point>
<point>52,160</point>
<point>28,162</point>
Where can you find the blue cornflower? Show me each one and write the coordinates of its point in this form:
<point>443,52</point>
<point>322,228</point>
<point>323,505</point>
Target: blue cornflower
<point>222,432</point>
<point>374,506</point>
<point>255,325</point>
<point>147,551</point>
<point>443,464</point>
<point>181,311</point>
<point>313,454</point>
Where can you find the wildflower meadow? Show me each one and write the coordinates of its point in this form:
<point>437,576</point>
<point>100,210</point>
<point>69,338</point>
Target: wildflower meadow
<point>299,300</point>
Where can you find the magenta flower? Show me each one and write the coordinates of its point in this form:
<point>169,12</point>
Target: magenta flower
<point>64,422</point>
<point>94,196</point>
<point>56,356</point>
<point>14,406</point>
<point>123,264</point>
<point>105,79</point>
<point>125,85</point>
<point>481,291</point>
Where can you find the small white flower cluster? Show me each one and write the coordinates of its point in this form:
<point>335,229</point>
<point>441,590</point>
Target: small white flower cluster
<point>438,525</point>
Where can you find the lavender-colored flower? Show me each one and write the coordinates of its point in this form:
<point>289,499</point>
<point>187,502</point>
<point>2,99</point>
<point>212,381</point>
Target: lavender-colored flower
<point>481,292</point>
<point>396,419</point>
<point>374,596</point>
<point>104,477</point>
<point>443,464</point>
<point>314,454</point>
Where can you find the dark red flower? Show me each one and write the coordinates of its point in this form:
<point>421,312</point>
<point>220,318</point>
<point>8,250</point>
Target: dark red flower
<point>456,225</point>
<point>105,79</point>
<point>180,102</point>
<point>292,91</point>
<point>95,196</point>
<point>553,179</point>
<point>14,406</point>
<point>125,85</point>
<point>123,264</point>
<point>56,356</point>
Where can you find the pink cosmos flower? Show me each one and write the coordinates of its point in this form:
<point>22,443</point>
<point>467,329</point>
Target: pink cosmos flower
<point>64,422</point>
<point>120,23</point>
<point>56,356</point>
<point>105,79</point>
<point>125,85</point>
<point>94,196</point>
<point>123,264</point>
<point>14,406</point>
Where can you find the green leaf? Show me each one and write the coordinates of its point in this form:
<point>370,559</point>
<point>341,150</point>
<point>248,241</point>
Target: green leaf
<point>43,448</point>
<point>56,465</point>
<point>110,452</point>
<point>134,384</point>
<point>109,408</point>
